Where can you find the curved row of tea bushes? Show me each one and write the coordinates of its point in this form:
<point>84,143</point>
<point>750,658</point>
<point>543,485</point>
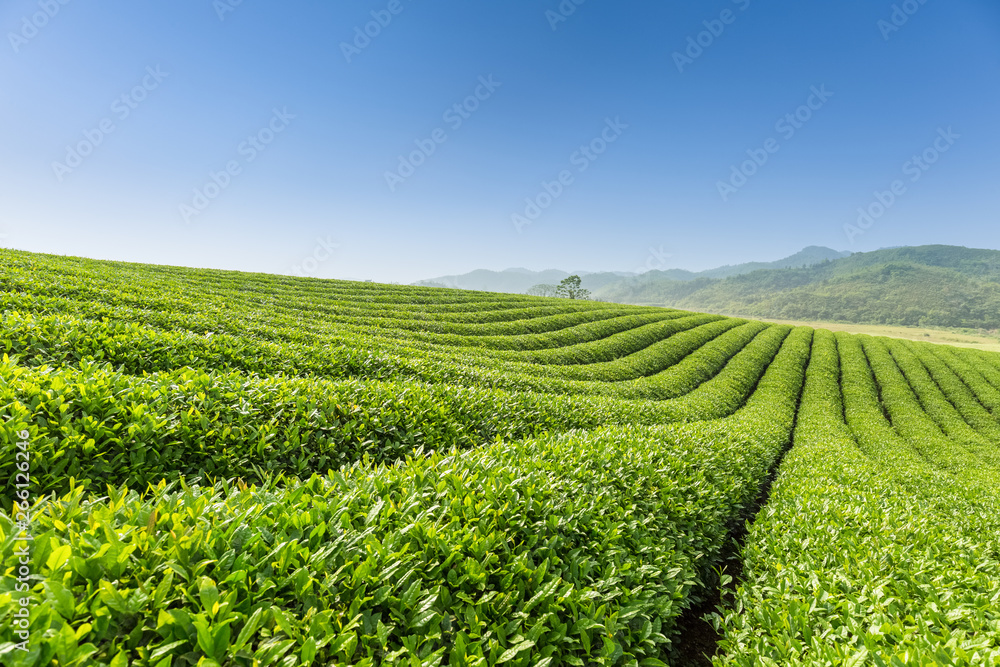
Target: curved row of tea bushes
<point>551,324</point>
<point>225,317</point>
<point>98,297</point>
<point>729,390</point>
<point>631,355</point>
<point>635,348</point>
<point>101,425</point>
<point>982,363</point>
<point>958,390</point>
<point>911,421</point>
<point>851,564</point>
<point>987,395</point>
<point>30,332</point>
<point>48,274</point>
<point>194,310</point>
<point>454,478</point>
<point>583,547</point>
<point>296,302</point>
<point>868,419</point>
<point>942,406</point>
<point>332,310</point>
<point>604,341</point>
<point>678,364</point>
<point>134,349</point>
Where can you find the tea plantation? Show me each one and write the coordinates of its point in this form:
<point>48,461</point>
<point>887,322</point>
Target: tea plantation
<point>222,469</point>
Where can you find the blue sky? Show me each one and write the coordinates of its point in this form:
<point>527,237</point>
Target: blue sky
<point>279,137</point>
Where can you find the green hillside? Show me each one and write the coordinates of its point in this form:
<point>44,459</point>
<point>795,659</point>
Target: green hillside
<point>225,469</point>
<point>924,286</point>
<point>807,257</point>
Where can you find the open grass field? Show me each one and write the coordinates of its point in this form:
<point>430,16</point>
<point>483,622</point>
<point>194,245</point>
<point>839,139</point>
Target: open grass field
<point>224,469</point>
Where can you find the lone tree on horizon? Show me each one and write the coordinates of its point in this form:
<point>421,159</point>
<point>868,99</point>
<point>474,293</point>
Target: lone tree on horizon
<point>570,288</point>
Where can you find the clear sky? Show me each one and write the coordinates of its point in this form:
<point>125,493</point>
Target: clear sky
<point>464,134</point>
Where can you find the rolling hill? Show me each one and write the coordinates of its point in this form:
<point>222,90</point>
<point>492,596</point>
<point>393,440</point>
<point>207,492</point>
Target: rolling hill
<point>928,286</point>
<point>227,469</point>
<point>915,286</point>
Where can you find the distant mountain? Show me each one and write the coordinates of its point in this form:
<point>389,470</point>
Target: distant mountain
<point>804,258</point>
<point>935,285</point>
<point>913,286</point>
<point>519,280</point>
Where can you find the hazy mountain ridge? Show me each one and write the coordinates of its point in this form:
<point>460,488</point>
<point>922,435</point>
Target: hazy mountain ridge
<point>914,286</point>
<point>518,280</point>
<point>934,285</point>
<point>805,257</point>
